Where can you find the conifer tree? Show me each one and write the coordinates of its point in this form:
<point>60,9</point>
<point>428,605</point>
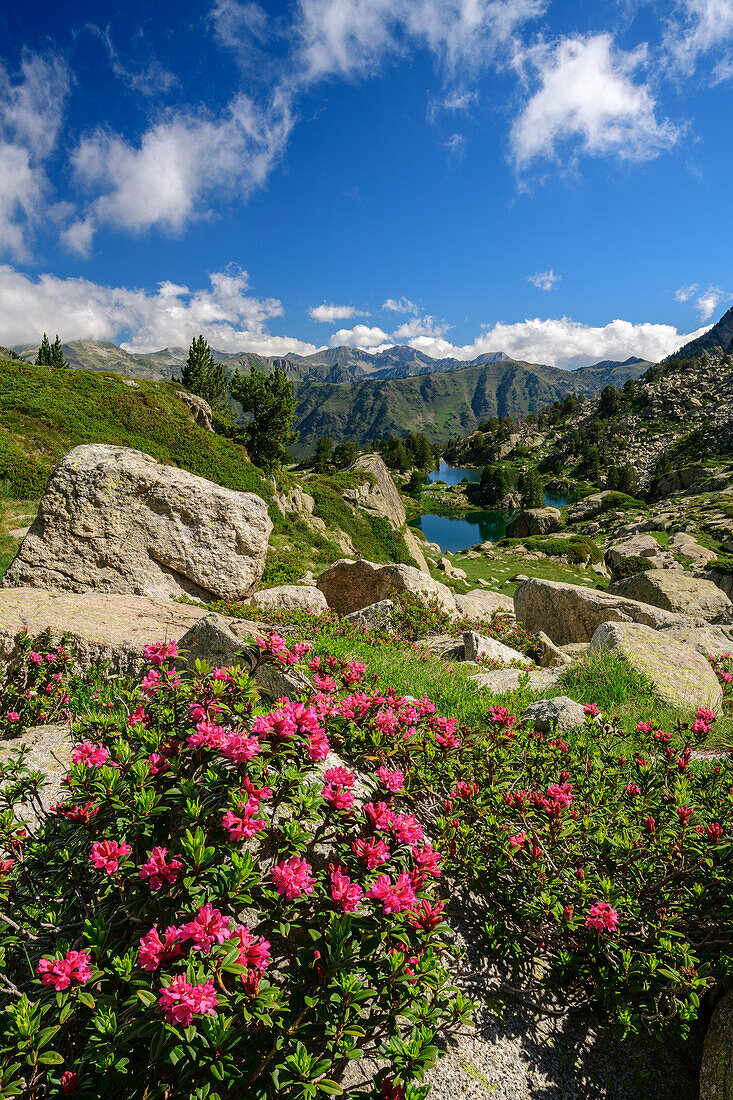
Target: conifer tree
<point>324,454</point>
<point>268,400</point>
<point>43,359</point>
<point>58,360</point>
<point>203,376</point>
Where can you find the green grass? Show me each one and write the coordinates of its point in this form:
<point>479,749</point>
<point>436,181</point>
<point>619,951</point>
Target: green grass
<point>45,413</point>
<point>500,570</point>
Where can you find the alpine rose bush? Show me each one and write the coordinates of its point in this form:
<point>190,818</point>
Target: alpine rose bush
<point>212,912</point>
<point>34,687</point>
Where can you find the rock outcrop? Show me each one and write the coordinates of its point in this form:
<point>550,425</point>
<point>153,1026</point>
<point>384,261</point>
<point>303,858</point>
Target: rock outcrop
<point>115,520</point>
<point>559,714</point>
<point>291,597</point>
<point>201,411</point>
<point>676,591</point>
<point>482,603</point>
<point>681,676</point>
<point>351,585</point>
<point>101,626</point>
<point>478,647</point>
<point>377,495</point>
<point>571,613</point>
<point>637,546</point>
<point>534,521</point>
<point>716,1073</point>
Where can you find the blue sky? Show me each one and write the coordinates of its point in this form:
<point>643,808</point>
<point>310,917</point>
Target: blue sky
<point>546,178</point>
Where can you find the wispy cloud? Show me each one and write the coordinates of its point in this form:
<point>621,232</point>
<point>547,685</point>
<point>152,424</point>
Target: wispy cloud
<point>400,305</point>
<point>707,299</point>
<point>697,29</point>
<point>544,280</point>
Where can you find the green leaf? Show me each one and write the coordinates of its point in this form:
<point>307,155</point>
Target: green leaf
<point>330,1087</point>
<point>146,997</point>
<point>51,1058</point>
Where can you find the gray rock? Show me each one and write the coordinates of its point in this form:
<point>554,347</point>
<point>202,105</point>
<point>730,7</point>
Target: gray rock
<point>689,547</point>
<point>501,680</point>
<point>561,714</point>
<point>534,521</point>
<point>115,520</point>
<point>674,591</point>
<point>638,546</point>
<point>588,508</point>
<point>291,597</point>
<point>548,654</point>
<point>680,676</point>
<point>477,646</point>
<point>708,640</point>
<point>445,646</point>
<point>377,616</point>
<point>378,495</point>
<point>202,413</point>
<point>351,585</point>
<point>49,752</point>
<point>482,603</point>
<point>571,612</point>
<point>716,1073</point>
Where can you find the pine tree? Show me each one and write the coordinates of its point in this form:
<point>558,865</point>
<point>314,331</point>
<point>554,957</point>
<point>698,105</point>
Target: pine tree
<point>531,489</point>
<point>203,376</point>
<point>323,456</point>
<point>43,359</point>
<point>345,453</point>
<point>58,360</point>
<point>268,399</point>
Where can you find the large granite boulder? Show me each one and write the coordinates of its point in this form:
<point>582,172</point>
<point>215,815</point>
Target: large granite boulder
<point>589,507</point>
<point>534,521</point>
<point>571,613</point>
<point>115,520</point>
<point>350,585</point>
<point>501,680</point>
<point>555,715</point>
<point>101,626</point>
<point>687,545</point>
<point>637,546</point>
<point>376,616</point>
<point>201,411</point>
<point>378,495</point>
<point>291,597</point>
<point>482,603</point>
<point>716,1072</point>
<point>674,590</point>
<point>681,676</point>
<point>709,640</point>
<point>478,647</point>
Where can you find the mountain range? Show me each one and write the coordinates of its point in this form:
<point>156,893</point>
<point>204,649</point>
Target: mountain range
<point>348,393</point>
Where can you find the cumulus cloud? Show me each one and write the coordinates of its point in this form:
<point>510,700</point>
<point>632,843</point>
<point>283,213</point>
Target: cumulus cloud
<point>228,315</point>
<point>370,338</point>
<point>587,99</point>
<point>696,28</point>
<point>400,305</point>
<point>360,336</point>
<point>559,342</point>
<point>544,280</point>
<point>332,313</point>
<point>32,105</point>
<point>166,178</point>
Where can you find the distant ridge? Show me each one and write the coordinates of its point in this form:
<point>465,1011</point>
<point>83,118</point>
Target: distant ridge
<point>719,336</point>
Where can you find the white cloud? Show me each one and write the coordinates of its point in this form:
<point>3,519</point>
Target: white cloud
<point>456,145</point>
<point>32,106</point>
<point>587,100</point>
<point>360,336</point>
<point>352,38</point>
<point>544,280</point>
<point>332,313</point>
<point>149,78</point>
<point>560,342</point>
<point>419,326</point>
<point>707,299</point>
<point>699,27</point>
<point>229,317</point>
<point>166,179</point>
<point>401,305</point>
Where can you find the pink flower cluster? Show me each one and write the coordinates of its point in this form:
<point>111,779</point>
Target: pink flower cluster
<point>275,647</point>
<point>291,720</point>
<point>72,969</point>
<point>106,855</point>
<point>393,779</point>
<point>346,894</point>
<point>337,788</point>
<point>601,917</point>
<point>157,871</point>
<point>557,798</point>
<point>292,877</point>
<point>181,1001</point>
<point>94,756</point>
<point>157,653</point>
<point>704,721</point>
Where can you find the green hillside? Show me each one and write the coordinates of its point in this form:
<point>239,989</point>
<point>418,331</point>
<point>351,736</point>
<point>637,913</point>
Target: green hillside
<point>44,413</point>
<point>443,404</point>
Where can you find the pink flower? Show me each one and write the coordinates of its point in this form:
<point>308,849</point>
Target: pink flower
<point>684,813</point>
<point>139,715</point>
<point>341,798</point>
<point>601,917</point>
<point>180,1000</point>
<point>427,916</point>
<point>644,727</point>
<point>318,747</point>
<point>371,852</point>
<point>224,675</point>
<point>632,789</point>
<point>13,716</point>
<point>36,658</point>
<point>157,871</point>
<point>393,780</point>
<point>324,683</point>
<point>69,1082</point>
<point>61,973</point>
<point>95,756</point>
<point>151,683</point>
<point>407,829</point>
<point>208,927</point>
<point>106,854</point>
<point>713,832</point>
<point>500,716</point>
<point>518,840</point>
<point>353,673</point>
<point>292,877</point>
<point>379,815</point>
<point>160,652</point>
<point>245,825</point>
<point>254,952</point>
<point>341,777</point>
<point>427,859</point>
<point>591,710</point>
<point>153,951</point>
<point>395,897</point>
<point>157,763</point>
<point>346,894</point>
<point>239,748</point>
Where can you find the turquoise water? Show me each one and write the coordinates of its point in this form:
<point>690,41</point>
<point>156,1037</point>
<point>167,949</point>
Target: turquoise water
<point>458,532</point>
